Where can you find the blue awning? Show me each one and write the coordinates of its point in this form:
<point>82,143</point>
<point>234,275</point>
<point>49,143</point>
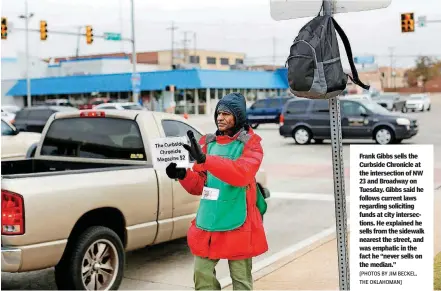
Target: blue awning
<point>158,80</point>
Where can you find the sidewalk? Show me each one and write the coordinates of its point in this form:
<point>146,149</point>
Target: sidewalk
<point>315,267</point>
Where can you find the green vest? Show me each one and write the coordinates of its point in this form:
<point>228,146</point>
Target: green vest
<point>229,211</point>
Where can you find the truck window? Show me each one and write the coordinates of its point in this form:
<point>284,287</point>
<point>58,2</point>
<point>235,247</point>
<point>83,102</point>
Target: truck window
<point>99,138</point>
<point>174,128</point>
<point>6,129</point>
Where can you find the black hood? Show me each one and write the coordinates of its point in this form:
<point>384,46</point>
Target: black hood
<point>236,103</point>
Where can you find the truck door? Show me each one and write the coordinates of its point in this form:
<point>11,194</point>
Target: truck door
<point>185,205</point>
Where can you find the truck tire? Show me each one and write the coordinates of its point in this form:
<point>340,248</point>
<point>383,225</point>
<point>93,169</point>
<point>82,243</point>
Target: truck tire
<point>94,261</point>
<point>254,125</point>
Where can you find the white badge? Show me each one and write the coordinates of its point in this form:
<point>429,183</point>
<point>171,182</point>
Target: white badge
<point>210,193</point>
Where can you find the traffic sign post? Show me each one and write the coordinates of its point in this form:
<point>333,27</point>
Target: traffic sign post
<point>339,181</point>
<point>136,84</point>
<point>292,9</point>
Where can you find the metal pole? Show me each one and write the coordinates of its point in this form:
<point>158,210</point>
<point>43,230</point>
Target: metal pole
<point>28,80</point>
<point>172,28</point>
<point>134,93</point>
<point>194,44</point>
<point>78,42</point>
<point>339,180</point>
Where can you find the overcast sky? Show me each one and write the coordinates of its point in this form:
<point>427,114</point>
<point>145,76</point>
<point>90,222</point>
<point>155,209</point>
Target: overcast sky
<point>231,25</point>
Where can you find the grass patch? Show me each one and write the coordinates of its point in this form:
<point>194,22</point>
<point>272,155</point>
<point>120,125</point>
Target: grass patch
<point>437,272</point>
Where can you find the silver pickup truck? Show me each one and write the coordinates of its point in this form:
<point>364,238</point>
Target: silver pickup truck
<point>90,194</point>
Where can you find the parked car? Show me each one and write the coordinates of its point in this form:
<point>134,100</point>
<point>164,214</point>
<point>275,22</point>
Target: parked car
<point>266,111</point>
<point>16,144</point>
<point>420,102</point>
<point>8,116</point>
<point>9,112</point>
<point>91,193</point>
<point>391,101</point>
<point>94,102</point>
<point>34,119</point>
<point>357,96</point>
<point>120,106</point>
<point>305,120</point>
<point>58,102</point>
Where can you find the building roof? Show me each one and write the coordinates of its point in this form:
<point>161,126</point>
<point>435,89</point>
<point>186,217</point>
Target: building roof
<point>158,80</point>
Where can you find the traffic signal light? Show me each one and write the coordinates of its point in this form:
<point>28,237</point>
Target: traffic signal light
<point>89,34</point>
<point>407,22</point>
<point>43,30</point>
<point>4,28</point>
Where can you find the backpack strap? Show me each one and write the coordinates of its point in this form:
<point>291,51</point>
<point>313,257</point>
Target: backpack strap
<point>348,49</point>
<point>210,138</point>
<point>244,137</point>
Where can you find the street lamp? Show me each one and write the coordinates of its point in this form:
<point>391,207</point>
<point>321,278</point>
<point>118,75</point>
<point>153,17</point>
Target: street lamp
<point>26,17</point>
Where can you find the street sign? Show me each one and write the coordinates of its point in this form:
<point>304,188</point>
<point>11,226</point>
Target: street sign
<point>291,9</point>
<point>422,21</point>
<point>364,60</point>
<point>136,78</point>
<point>136,82</point>
<point>112,36</point>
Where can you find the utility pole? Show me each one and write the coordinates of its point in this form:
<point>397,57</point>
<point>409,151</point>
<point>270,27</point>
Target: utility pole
<point>339,179</point>
<point>172,28</point>
<point>134,58</point>
<point>121,23</point>
<point>185,46</point>
<point>391,57</point>
<point>26,17</point>
<point>194,44</point>
<point>77,54</point>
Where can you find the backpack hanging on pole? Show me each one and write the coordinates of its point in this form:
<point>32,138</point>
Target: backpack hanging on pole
<point>315,70</point>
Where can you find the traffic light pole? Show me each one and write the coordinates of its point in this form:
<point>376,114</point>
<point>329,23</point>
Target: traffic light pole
<point>28,77</point>
<point>339,180</point>
<point>135,96</point>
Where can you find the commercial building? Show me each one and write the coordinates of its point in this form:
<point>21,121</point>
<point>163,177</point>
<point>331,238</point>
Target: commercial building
<point>183,58</point>
<point>197,91</point>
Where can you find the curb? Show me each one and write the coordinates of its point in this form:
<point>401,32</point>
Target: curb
<point>262,271</point>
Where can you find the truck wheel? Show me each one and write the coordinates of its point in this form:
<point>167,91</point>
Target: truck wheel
<point>254,125</point>
<point>94,262</point>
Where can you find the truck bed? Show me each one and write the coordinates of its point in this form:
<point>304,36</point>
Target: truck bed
<point>42,167</point>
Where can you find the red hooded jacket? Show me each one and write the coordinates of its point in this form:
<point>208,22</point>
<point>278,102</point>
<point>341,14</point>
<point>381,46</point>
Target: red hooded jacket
<point>247,241</point>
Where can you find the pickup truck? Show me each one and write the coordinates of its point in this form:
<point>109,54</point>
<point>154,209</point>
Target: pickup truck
<point>90,194</point>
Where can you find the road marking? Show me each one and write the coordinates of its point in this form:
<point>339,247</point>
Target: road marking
<point>283,253</point>
<point>303,196</point>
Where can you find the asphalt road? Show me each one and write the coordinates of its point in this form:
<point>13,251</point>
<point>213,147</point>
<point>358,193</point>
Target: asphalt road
<point>300,178</point>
